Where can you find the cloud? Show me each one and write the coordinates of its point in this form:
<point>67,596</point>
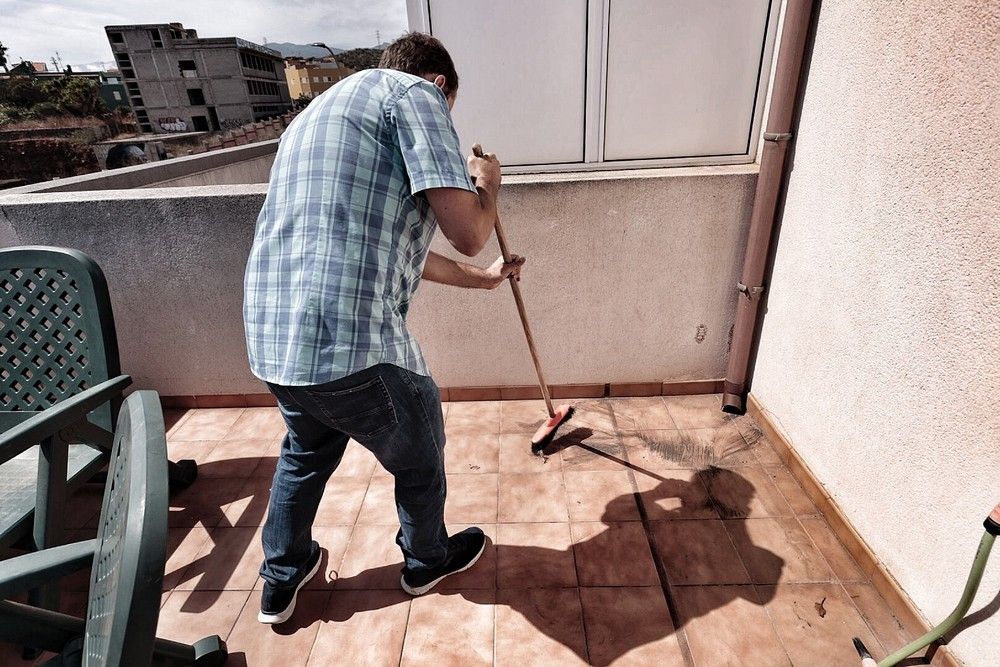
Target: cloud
<point>75,28</point>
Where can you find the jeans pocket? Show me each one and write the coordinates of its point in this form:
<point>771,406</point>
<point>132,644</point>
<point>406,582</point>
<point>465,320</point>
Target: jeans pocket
<point>362,411</point>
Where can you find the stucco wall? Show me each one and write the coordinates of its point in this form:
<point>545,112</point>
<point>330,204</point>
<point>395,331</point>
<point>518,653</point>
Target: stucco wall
<point>623,270</point>
<point>880,348</point>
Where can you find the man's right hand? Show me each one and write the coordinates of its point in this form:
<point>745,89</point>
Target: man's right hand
<point>484,170</point>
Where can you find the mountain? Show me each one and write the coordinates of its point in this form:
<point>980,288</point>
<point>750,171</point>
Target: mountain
<point>290,50</point>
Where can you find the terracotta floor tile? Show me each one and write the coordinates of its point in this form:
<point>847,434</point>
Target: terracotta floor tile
<point>184,545</point>
<point>761,446</point>
<point>641,414</point>
<point>482,575</point>
<point>203,502</point>
<point>473,418</point>
<point>696,448</point>
<point>841,562</point>
<point>472,454</point>
<point>372,560</point>
<point>362,628</point>
<point>613,554</point>
<point>629,626</point>
<point>778,551</point>
<point>84,507</point>
<point>228,560</point>
<point>173,418</point>
<point>535,555</point>
<point>379,506</point>
<point>816,623</point>
<point>341,501</point>
<point>516,456</point>
<point>699,411</point>
<point>889,630</point>
<point>207,424</point>
<point>232,458</point>
<point>287,644</point>
<point>593,416</point>
<point>532,623</point>
<point>258,424</point>
<point>450,630</point>
<point>250,506</point>
<point>600,496</point>
<point>472,499</point>
<point>658,451</point>
<point>188,616</point>
<point>196,450</point>
<point>522,416</point>
<point>741,493</point>
<point>357,462</point>
<point>334,539</point>
<point>792,491</point>
<point>598,452</point>
<point>728,625</point>
<point>532,497</point>
<point>674,494</point>
<point>698,552</point>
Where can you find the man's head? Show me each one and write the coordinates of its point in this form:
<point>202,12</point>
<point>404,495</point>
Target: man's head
<point>425,56</point>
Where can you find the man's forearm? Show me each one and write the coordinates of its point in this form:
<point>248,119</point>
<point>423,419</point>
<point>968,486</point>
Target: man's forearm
<point>440,269</point>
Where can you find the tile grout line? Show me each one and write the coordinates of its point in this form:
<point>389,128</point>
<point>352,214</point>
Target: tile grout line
<point>661,573</point>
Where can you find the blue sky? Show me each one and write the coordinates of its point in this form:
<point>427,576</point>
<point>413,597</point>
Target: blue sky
<point>35,30</point>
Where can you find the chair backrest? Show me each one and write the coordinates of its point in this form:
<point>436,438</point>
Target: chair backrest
<point>127,575</point>
<point>57,332</point>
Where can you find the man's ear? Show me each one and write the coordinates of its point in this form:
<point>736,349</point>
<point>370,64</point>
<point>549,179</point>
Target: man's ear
<point>440,81</point>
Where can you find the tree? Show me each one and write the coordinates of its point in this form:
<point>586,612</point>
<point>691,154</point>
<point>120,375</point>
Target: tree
<point>3,57</point>
<point>359,59</point>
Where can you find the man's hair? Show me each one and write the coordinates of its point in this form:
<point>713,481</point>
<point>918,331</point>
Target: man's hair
<point>420,54</point>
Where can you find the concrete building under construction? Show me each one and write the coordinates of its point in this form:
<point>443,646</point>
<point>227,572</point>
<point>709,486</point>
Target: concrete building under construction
<point>179,82</point>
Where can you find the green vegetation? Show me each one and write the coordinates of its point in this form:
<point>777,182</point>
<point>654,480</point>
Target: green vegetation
<point>359,59</point>
<point>27,98</point>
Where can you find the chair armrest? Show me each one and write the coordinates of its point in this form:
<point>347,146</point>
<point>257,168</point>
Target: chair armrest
<point>64,414</point>
<point>31,570</point>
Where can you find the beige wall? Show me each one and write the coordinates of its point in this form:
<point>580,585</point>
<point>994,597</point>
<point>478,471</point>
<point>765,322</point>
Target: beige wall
<point>881,344</point>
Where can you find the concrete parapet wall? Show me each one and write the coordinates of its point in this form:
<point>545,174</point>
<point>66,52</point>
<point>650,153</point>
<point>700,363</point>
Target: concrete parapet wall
<point>629,279</point>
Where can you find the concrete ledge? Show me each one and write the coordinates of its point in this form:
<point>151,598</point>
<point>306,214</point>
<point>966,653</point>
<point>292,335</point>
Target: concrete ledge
<point>882,580</point>
<point>150,175</point>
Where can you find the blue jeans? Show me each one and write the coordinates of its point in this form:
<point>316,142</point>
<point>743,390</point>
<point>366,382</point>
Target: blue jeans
<point>394,413</point>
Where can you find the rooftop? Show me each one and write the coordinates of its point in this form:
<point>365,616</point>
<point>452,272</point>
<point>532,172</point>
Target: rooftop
<point>655,531</point>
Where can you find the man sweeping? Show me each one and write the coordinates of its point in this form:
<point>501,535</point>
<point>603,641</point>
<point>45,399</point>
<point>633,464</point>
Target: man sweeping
<point>360,181</point>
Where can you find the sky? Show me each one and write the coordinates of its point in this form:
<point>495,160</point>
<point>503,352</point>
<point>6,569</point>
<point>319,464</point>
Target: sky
<point>35,30</point>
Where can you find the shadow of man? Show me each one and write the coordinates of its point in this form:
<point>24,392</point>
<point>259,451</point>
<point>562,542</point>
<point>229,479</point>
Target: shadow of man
<point>540,584</point>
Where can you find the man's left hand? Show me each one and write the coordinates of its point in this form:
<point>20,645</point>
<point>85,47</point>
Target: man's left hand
<point>499,271</point>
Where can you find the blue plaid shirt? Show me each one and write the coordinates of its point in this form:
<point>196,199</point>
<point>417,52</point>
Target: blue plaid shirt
<point>342,238</point>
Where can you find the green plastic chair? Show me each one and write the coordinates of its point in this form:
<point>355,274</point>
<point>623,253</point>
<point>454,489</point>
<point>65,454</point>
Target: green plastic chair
<point>127,557</point>
<point>57,338</point>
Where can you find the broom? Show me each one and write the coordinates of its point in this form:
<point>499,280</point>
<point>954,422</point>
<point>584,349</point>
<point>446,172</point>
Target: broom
<point>557,415</point>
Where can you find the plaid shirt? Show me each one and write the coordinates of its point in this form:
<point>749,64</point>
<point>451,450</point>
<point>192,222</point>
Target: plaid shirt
<point>342,238</point>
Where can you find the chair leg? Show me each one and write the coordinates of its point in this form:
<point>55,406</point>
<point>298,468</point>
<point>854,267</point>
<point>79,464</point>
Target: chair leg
<point>206,652</point>
<point>40,629</point>
<point>182,474</point>
<point>50,504</point>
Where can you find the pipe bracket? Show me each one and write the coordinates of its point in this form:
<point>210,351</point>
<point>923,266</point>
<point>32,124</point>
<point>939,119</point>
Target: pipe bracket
<point>749,292</point>
<point>777,136</point>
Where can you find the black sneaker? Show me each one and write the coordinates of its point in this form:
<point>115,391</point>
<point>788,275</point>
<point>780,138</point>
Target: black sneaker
<point>464,549</point>
<point>278,604</point>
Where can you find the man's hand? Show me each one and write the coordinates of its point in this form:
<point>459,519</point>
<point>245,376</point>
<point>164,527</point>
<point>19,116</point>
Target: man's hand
<point>485,171</point>
<point>499,271</point>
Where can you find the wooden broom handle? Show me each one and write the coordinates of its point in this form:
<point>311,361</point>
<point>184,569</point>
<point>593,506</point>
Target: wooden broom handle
<point>516,289</point>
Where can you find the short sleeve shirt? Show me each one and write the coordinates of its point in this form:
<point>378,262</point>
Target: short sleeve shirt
<point>343,235</point>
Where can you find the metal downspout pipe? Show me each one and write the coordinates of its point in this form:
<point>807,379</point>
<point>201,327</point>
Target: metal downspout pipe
<point>777,140</point>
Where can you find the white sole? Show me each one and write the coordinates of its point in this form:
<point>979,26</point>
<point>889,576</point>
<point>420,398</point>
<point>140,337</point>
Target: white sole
<point>274,619</point>
<point>420,590</point>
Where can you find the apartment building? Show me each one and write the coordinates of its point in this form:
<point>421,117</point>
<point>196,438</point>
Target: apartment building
<point>309,78</point>
<point>179,82</point>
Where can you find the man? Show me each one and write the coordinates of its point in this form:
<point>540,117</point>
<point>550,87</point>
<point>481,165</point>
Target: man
<point>360,180</point>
